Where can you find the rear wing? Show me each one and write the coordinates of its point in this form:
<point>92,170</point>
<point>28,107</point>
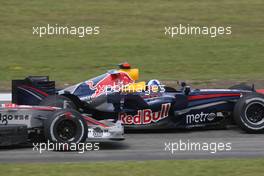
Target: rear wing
<point>32,89</point>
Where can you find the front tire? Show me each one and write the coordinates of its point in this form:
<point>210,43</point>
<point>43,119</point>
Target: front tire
<point>65,126</point>
<point>249,113</point>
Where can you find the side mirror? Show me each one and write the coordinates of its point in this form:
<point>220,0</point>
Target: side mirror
<point>183,84</point>
<point>187,90</point>
<point>253,88</point>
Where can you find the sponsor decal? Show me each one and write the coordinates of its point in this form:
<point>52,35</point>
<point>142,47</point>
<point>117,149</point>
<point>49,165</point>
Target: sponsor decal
<point>199,118</point>
<point>211,116</point>
<point>5,118</point>
<point>145,116</point>
<point>98,132</point>
<point>112,81</point>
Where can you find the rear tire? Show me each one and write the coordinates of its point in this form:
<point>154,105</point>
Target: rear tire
<point>58,101</point>
<point>249,113</point>
<point>65,126</point>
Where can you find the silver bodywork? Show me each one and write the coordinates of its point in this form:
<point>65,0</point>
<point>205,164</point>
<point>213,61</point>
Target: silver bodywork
<point>114,131</point>
<point>34,116</point>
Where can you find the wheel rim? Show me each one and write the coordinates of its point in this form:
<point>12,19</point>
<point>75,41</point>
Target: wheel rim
<point>66,130</point>
<point>255,113</point>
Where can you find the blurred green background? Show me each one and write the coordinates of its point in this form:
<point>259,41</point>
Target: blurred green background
<point>229,167</point>
<point>133,31</point>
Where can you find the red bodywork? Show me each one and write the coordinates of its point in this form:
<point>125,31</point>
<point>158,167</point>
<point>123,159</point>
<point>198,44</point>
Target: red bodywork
<point>260,91</point>
<point>111,80</point>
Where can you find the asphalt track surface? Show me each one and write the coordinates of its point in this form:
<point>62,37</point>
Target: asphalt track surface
<point>152,146</point>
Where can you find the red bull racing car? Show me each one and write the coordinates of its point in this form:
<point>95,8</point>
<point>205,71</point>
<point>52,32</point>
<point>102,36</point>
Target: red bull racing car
<point>148,105</point>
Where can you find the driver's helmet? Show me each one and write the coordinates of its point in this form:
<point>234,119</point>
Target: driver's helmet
<point>153,83</point>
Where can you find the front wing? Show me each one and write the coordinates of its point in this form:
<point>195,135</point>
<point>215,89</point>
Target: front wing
<point>105,130</point>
